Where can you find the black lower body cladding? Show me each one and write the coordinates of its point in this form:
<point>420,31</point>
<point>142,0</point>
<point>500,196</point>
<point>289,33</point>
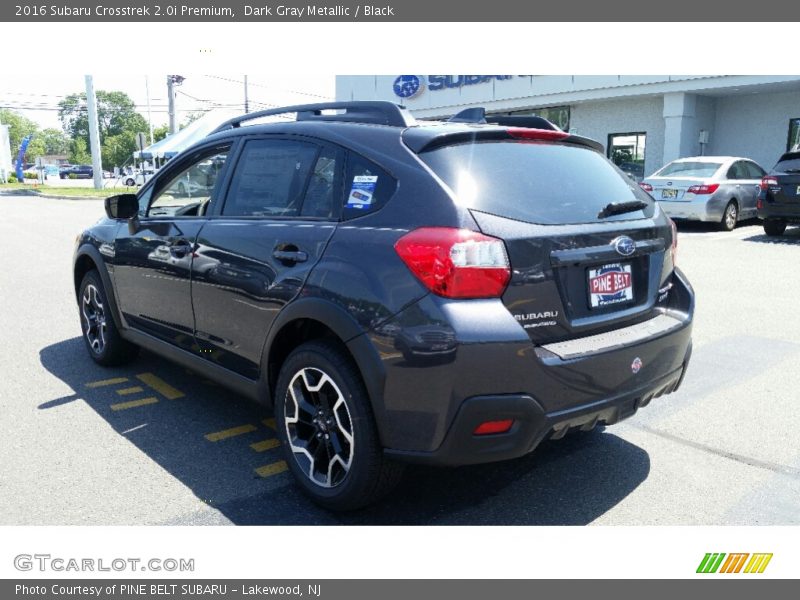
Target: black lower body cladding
<point>429,403</point>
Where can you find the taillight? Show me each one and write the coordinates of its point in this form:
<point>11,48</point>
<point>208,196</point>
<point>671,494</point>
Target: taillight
<point>646,186</point>
<point>456,263</point>
<point>525,133</point>
<point>674,248</point>
<point>768,182</point>
<point>703,189</point>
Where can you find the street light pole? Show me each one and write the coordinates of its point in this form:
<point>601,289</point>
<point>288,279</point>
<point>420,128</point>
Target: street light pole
<point>172,82</point>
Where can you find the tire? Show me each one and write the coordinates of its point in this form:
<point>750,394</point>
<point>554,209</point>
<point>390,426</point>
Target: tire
<point>130,182</point>
<point>774,227</point>
<point>729,217</point>
<point>100,334</point>
<point>357,473</point>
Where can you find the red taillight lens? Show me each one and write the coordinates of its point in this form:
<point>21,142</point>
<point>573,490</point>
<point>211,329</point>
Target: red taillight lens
<point>646,186</point>
<point>674,248</point>
<point>525,133</point>
<point>494,427</point>
<point>759,203</point>
<point>456,263</point>
<point>768,182</point>
<point>703,189</point>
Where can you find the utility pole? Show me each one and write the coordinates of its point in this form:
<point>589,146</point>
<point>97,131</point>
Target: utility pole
<point>246,103</point>
<point>94,134</point>
<point>172,82</point>
<point>149,116</point>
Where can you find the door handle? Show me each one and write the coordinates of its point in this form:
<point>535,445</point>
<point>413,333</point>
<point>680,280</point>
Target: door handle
<point>290,256</point>
<point>180,248</point>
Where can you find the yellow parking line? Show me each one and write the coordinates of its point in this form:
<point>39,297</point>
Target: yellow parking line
<point>272,469</point>
<point>134,403</point>
<point>228,433</point>
<point>270,423</point>
<point>161,386</point>
<point>105,382</point>
<point>265,445</point>
<point>131,390</point>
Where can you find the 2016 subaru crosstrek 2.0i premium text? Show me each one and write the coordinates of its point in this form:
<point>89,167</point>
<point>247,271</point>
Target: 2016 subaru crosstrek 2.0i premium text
<point>447,293</point>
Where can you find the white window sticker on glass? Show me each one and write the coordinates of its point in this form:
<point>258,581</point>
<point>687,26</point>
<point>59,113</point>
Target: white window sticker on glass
<point>362,191</point>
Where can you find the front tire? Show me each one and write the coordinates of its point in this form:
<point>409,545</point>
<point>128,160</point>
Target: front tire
<point>730,217</point>
<point>100,333</point>
<point>325,423</point>
<point>774,227</point>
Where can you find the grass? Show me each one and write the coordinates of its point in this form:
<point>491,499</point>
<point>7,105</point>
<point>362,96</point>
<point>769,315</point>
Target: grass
<point>73,192</point>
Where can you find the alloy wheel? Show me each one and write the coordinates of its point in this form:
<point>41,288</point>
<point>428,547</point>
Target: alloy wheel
<point>319,428</point>
<point>94,318</point>
<point>730,216</point>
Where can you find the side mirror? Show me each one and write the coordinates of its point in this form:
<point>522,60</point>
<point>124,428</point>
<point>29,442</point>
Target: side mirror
<point>123,206</point>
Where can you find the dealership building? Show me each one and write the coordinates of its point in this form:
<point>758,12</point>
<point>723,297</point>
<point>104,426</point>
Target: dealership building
<point>643,121</point>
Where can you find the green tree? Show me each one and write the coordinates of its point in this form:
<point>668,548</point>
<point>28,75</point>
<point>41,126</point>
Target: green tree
<point>18,128</point>
<point>55,142</point>
<point>116,114</point>
<point>79,153</point>
<point>159,133</point>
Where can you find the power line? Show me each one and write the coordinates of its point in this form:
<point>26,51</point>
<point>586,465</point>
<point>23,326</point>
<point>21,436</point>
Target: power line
<point>269,87</point>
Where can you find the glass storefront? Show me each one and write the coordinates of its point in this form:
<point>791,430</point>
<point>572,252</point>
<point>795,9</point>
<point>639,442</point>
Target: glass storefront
<point>626,150</point>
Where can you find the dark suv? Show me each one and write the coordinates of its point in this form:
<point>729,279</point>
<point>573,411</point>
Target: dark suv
<point>446,293</point>
<point>778,202</point>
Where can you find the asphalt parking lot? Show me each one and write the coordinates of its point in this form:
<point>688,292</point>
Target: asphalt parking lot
<point>152,443</point>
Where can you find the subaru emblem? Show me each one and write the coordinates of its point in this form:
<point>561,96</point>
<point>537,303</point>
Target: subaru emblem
<point>636,365</point>
<point>624,245</point>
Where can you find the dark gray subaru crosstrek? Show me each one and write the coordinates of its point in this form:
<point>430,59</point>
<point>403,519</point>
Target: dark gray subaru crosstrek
<point>399,291</point>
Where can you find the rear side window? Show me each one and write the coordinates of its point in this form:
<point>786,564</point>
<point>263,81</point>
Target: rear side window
<point>689,169</point>
<point>270,179</point>
<point>753,170</point>
<point>536,182</point>
<point>789,163</point>
<point>367,187</point>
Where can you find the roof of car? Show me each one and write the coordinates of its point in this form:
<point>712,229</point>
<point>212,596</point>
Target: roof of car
<point>711,159</point>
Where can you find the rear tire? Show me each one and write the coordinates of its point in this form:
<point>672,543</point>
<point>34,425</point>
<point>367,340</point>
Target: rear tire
<point>327,429</point>
<point>774,227</point>
<point>730,217</point>
<point>100,334</point>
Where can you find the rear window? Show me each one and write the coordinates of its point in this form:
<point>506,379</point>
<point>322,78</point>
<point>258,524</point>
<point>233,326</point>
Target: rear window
<point>689,169</point>
<point>535,182</point>
<point>789,163</point>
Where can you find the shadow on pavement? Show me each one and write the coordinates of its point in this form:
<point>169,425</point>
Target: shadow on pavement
<point>222,447</point>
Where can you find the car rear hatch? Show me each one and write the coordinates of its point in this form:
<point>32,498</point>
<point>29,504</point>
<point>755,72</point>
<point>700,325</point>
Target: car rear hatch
<point>787,174</point>
<point>578,266</point>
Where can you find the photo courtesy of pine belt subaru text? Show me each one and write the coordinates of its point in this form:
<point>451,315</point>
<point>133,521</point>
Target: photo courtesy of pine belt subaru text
<point>396,290</point>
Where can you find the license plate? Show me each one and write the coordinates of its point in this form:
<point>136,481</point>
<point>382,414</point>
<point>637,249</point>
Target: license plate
<point>610,284</point>
<point>669,194</point>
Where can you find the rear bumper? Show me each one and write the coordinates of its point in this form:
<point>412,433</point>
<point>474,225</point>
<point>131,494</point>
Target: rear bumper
<point>427,412</point>
<point>706,210</point>
<point>532,424</point>
<point>785,212</point>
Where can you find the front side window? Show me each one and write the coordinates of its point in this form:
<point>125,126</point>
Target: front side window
<point>189,192</point>
<point>270,179</point>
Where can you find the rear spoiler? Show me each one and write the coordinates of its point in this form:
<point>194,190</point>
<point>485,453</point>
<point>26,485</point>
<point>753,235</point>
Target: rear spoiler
<point>491,127</point>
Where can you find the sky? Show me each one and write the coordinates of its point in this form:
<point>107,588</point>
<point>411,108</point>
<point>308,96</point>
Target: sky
<point>37,97</point>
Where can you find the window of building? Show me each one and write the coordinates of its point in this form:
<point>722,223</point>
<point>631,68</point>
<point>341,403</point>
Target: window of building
<point>626,150</point>
<point>559,115</point>
<point>794,135</point>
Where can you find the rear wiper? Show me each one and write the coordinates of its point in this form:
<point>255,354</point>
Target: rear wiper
<point>618,208</point>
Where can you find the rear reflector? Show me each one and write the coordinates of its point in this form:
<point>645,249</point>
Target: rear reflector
<point>493,427</point>
<point>674,248</point>
<point>646,186</point>
<point>703,189</point>
<point>456,263</point>
<point>525,133</point>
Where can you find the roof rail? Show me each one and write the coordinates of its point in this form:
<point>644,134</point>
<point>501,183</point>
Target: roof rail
<point>478,115</point>
<point>376,112</point>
